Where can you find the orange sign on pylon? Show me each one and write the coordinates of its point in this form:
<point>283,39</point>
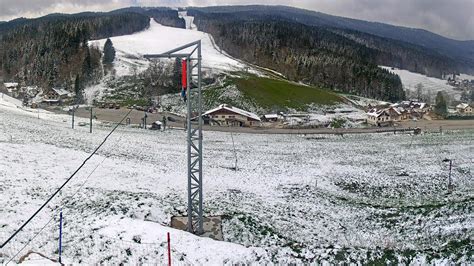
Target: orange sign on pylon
<point>184,76</point>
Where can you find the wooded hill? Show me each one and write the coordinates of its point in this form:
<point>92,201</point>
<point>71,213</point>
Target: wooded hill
<point>302,53</point>
<point>54,51</point>
<point>459,54</point>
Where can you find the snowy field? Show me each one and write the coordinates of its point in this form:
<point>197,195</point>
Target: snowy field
<point>360,198</point>
<point>432,85</point>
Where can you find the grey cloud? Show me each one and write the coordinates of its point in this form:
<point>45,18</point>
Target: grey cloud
<point>451,18</point>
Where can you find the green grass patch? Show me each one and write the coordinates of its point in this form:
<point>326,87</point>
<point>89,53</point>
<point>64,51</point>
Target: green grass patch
<point>272,93</point>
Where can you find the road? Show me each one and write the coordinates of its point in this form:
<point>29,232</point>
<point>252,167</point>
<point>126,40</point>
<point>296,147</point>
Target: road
<point>115,115</point>
<point>431,125</point>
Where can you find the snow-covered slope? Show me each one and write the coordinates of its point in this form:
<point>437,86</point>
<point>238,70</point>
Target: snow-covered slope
<point>159,39</point>
<point>294,198</point>
<point>432,85</point>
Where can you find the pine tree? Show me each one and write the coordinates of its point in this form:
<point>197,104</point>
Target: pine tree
<point>87,69</point>
<point>78,89</point>
<point>441,107</point>
<point>109,52</point>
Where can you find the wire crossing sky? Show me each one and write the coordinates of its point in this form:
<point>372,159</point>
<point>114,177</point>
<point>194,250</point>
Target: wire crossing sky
<point>453,18</point>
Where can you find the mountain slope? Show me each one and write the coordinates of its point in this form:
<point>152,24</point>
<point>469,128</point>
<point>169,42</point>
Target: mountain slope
<point>461,51</point>
<point>153,41</point>
<point>302,53</point>
<point>53,51</point>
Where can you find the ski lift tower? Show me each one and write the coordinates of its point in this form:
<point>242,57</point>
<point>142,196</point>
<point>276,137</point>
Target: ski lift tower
<point>191,61</point>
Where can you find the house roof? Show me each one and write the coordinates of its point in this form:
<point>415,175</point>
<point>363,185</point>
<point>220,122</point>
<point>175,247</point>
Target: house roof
<point>10,84</point>
<point>234,110</point>
<point>61,92</point>
<point>462,106</point>
<point>271,116</point>
<point>376,113</point>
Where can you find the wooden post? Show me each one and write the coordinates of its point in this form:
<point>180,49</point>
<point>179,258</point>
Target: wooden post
<point>169,250</point>
<point>73,110</point>
<point>60,234</point>
<point>450,187</point>
<point>90,128</point>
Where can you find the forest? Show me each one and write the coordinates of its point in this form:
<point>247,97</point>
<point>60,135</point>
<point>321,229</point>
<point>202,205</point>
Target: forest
<point>309,54</point>
<point>53,50</point>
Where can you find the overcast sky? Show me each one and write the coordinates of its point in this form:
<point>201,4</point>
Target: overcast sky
<point>451,18</point>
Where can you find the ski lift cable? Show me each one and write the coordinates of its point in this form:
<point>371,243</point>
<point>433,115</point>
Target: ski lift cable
<point>62,204</point>
<point>67,181</point>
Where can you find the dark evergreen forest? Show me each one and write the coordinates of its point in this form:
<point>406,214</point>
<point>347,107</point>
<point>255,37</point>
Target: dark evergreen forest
<point>54,51</point>
<point>302,53</point>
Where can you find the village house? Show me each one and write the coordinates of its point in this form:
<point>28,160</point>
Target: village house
<point>464,109</point>
<point>226,115</point>
<point>12,87</point>
<point>381,117</point>
<point>57,96</point>
<point>411,109</point>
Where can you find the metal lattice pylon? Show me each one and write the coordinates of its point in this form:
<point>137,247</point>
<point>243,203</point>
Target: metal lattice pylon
<point>194,132</point>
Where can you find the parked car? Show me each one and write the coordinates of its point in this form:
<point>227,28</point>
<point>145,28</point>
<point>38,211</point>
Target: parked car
<point>171,119</point>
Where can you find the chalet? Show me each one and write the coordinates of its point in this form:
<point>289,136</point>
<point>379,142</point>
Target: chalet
<point>464,109</point>
<point>381,117</point>
<point>395,113</point>
<point>226,115</point>
<point>56,95</point>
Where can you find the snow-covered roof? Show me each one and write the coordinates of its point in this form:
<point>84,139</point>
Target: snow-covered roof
<point>234,110</point>
<point>10,84</point>
<point>271,116</point>
<point>395,110</point>
<point>462,106</point>
<point>376,113</point>
<point>61,92</point>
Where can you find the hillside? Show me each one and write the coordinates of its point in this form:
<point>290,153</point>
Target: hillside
<point>157,39</point>
<point>66,51</point>
<point>312,55</point>
<point>252,91</point>
<point>53,51</point>
<point>277,94</point>
<point>461,52</point>
<point>430,85</point>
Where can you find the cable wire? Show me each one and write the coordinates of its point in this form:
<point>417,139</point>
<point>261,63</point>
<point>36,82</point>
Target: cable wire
<point>65,183</point>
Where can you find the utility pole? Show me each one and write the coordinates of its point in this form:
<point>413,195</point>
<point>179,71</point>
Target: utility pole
<point>90,124</point>
<point>73,111</point>
<point>192,61</point>
<point>60,234</point>
<point>144,120</point>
